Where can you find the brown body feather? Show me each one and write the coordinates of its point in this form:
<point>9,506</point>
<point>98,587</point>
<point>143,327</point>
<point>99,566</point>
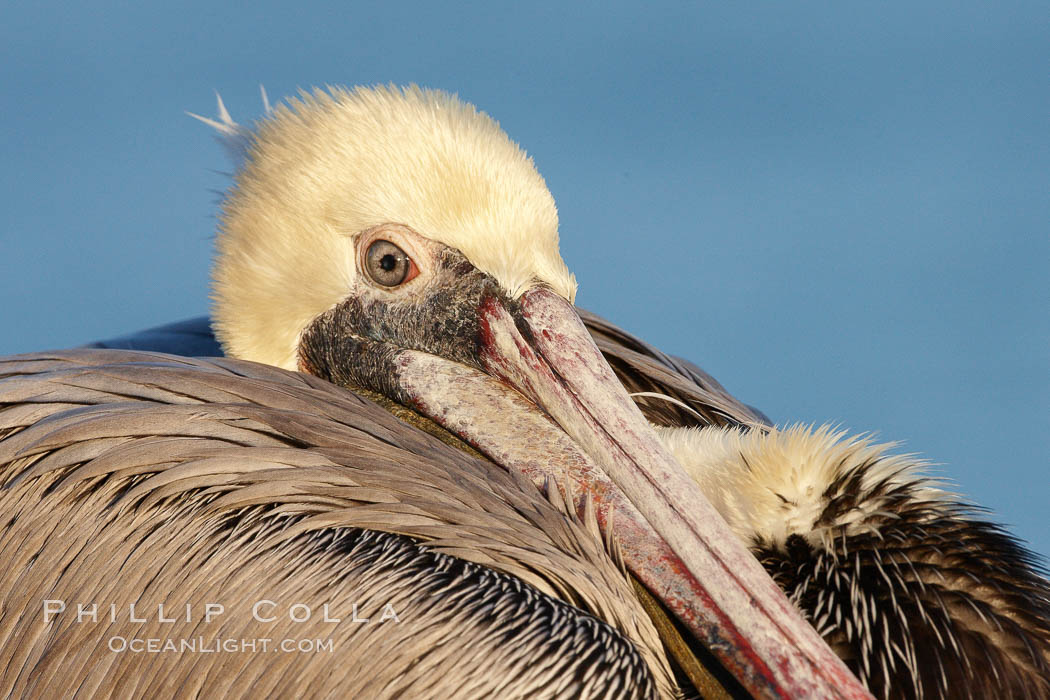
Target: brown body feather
<point>136,478</point>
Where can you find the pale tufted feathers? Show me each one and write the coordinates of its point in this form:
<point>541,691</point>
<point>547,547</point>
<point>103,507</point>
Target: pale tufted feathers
<point>771,485</point>
<point>235,138</point>
<point>330,164</point>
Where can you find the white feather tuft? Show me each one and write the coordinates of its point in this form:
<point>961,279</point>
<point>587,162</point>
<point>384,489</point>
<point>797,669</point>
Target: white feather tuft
<point>267,108</point>
<point>236,139</point>
<point>771,485</point>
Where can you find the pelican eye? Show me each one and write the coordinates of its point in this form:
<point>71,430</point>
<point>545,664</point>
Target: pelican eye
<point>388,265</point>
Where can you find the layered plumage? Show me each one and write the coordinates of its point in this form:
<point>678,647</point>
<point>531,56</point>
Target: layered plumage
<point>275,486</point>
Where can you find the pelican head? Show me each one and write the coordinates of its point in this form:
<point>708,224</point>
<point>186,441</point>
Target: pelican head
<point>326,168</point>
<point>398,242</point>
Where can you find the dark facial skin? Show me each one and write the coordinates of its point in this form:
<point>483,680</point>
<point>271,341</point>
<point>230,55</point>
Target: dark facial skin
<point>357,343</point>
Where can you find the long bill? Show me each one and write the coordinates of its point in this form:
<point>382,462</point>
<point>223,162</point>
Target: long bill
<point>676,543</point>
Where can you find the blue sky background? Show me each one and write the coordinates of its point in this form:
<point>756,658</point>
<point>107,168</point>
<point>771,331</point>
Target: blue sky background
<point>842,211</point>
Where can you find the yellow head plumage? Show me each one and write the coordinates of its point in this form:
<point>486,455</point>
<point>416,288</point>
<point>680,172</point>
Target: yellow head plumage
<point>331,164</point>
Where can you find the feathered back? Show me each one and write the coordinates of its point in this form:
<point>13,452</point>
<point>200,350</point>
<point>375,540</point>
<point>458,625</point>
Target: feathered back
<point>146,478</point>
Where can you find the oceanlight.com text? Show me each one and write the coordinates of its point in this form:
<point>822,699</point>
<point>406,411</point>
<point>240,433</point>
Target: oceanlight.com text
<point>202,645</point>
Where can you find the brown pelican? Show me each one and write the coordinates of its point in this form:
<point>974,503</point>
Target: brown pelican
<point>397,243</point>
